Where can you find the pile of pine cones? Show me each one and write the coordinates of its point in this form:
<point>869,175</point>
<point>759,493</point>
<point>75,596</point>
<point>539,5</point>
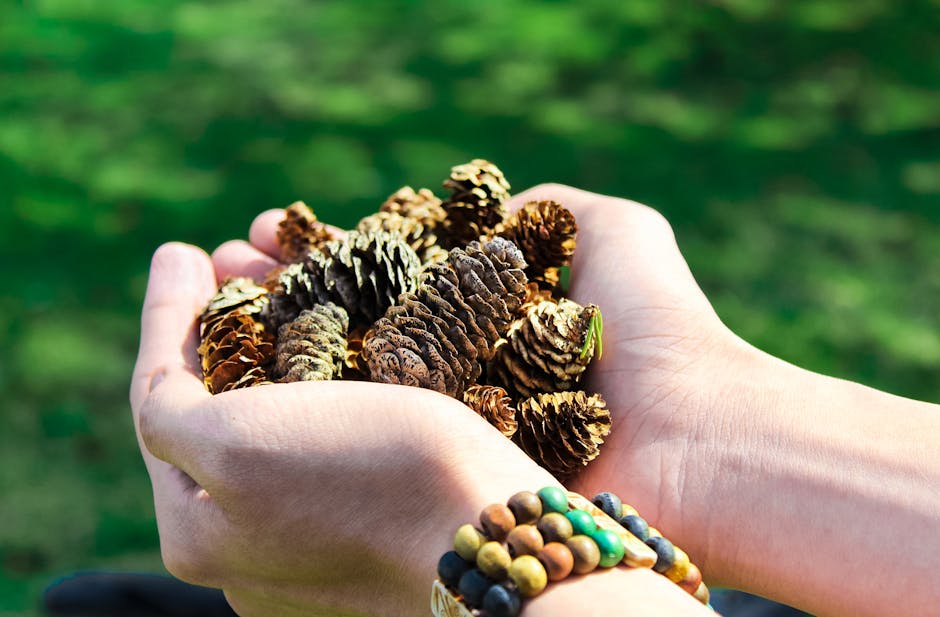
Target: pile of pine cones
<point>454,295</point>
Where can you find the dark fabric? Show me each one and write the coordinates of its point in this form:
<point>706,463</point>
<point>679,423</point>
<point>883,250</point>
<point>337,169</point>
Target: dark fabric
<point>103,594</point>
<point>730,603</point>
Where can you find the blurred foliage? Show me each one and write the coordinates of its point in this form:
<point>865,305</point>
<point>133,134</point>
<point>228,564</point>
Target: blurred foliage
<point>793,145</point>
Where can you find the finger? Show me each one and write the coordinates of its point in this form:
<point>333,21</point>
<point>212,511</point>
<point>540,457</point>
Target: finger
<point>181,282</point>
<point>239,258</point>
<point>263,232</point>
<point>632,239</point>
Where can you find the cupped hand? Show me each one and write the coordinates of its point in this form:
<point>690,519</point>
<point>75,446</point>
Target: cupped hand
<point>325,498</point>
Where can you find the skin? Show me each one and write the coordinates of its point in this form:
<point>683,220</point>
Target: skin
<point>337,498</point>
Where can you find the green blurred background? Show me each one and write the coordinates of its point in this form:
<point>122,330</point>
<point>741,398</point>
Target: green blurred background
<point>794,146</point>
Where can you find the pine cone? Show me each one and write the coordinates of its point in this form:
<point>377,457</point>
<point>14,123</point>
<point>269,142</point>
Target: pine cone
<point>420,238</point>
<point>422,205</point>
<point>300,232</point>
<point>562,431</point>
<point>236,352</point>
<point>313,346</point>
<point>545,233</point>
<point>476,206</point>
<point>533,296</point>
<point>494,405</point>
<point>363,274</point>
<point>549,349</point>
<point>435,336</point>
<point>235,294</point>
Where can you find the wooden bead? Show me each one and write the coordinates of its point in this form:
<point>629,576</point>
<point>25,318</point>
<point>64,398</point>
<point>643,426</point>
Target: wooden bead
<point>524,540</point>
<point>555,527</point>
<point>557,559</point>
<point>553,499</point>
<point>585,553</point>
<point>582,523</point>
<point>493,560</point>
<point>451,567</point>
<point>497,521</point>
<point>702,594</point>
<point>526,507</point>
<point>665,553</point>
<point>680,565</point>
<point>627,510</point>
<point>693,578</point>
<point>501,602</point>
<point>473,586</point>
<point>610,547</point>
<point>636,525</point>
<point>609,503</point>
<point>529,575</point>
<point>467,541</point>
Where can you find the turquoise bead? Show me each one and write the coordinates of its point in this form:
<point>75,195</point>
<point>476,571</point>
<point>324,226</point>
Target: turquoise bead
<point>610,547</point>
<point>581,522</point>
<point>553,500</point>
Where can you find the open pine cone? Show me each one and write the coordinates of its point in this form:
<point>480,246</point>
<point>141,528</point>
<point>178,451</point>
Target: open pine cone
<point>236,352</point>
<point>562,431</point>
<point>548,350</point>
<point>364,274</point>
<point>300,232</point>
<point>476,206</point>
<point>545,232</point>
<point>494,405</point>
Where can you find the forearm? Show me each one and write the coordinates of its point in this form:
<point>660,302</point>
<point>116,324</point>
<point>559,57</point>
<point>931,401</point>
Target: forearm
<point>826,494</point>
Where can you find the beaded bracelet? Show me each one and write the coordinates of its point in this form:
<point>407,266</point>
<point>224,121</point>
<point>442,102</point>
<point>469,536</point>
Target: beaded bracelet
<point>540,537</point>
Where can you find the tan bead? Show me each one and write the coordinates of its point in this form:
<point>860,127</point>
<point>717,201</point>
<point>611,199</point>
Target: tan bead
<point>526,507</point>
<point>585,553</point>
<point>557,559</point>
<point>627,510</point>
<point>524,540</point>
<point>555,527</point>
<point>693,578</point>
<point>680,566</point>
<point>494,560</point>
<point>528,574</point>
<point>702,594</point>
<point>467,541</point>
<point>497,521</point>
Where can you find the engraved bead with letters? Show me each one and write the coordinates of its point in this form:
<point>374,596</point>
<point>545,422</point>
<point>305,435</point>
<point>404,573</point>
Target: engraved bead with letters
<point>609,503</point>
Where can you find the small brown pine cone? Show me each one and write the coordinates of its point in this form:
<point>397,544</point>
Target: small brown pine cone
<point>356,369</point>
<point>364,274</point>
<point>545,232</point>
<point>420,238</point>
<point>533,296</point>
<point>235,352</point>
<point>548,350</point>
<point>313,346</point>
<point>435,336</point>
<point>300,231</point>
<point>494,405</point>
<point>562,431</point>
<point>422,205</point>
<point>476,206</point>
<point>239,294</point>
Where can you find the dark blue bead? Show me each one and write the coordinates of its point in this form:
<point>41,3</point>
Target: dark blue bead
<point>451,567</point>
<point>501,602</point>
<point>609,503</point>
<point>636,525</point>
<point>665,553</point>
<point>473,586</point>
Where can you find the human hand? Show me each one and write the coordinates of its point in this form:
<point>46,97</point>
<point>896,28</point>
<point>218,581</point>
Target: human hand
<point>304,498</point>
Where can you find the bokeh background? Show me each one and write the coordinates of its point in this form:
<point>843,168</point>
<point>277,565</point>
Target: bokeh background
<point>793,144</point>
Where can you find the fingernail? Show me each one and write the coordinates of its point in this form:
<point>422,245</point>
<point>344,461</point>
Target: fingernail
<point>157,378</point>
